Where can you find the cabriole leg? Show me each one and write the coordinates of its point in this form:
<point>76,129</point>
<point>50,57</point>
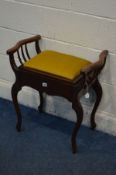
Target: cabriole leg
<point>98,90</point>
<point>76,105</point>
<point>14,91</point>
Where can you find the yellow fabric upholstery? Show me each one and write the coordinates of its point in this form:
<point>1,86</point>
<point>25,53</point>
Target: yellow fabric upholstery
<point>58,64</point>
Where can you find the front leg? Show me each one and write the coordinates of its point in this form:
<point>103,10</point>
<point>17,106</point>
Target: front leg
<point>98,90</point>
<point>15,89</point>
<point>76,105</point>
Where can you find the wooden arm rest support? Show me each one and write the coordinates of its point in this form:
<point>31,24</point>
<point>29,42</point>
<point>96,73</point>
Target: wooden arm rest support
<point>22,55</point>
<point>92,71</point>
<point>99,64</point>
<point>23,42</point>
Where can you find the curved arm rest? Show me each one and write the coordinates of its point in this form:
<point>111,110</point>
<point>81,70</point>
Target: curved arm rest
<point>97,65</point>
<point>22,42</point>
<point>91,72</point>
<point>22,51</point>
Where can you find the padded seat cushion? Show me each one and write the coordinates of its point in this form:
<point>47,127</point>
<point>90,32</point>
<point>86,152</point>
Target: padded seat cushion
<point>58,64</point>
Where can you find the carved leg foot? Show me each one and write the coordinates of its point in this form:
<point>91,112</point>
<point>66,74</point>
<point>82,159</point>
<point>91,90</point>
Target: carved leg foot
<point>14,91</point>
<point>98,90</point>
<point>79,113</point>
<point>40,107</point>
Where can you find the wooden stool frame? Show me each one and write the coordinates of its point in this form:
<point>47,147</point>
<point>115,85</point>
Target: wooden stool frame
<point>53,85</point>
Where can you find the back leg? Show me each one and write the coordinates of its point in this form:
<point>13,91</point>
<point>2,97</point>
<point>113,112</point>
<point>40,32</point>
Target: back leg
<point>40,107</point>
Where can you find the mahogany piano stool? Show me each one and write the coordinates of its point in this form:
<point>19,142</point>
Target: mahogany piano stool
<point>56,74</point>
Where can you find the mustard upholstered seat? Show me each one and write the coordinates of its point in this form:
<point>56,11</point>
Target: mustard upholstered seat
<point>59,64</point>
